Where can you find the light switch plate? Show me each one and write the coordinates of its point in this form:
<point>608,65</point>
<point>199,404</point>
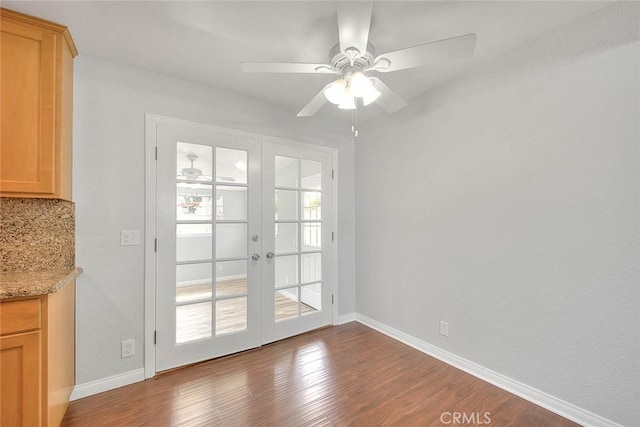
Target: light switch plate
<point>129,237</point>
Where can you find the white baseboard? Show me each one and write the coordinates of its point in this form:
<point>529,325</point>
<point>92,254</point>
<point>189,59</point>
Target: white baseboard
<point>106,384</point>
<point>346,318</point>
<point>540,398</point>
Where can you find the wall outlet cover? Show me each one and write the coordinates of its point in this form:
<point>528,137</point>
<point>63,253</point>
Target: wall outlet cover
<point>444,328</point>
<point>128,348</point>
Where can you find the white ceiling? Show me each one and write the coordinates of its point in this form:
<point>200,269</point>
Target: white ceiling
<point>204,42</point>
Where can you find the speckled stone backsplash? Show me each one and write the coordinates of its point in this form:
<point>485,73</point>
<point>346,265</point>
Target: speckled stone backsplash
<point>36,234</point>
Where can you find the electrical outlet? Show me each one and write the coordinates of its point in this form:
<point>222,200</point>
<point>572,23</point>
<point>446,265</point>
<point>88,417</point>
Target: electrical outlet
<point>128,348</point>
<point>129,237</point>
<point>444,328</point>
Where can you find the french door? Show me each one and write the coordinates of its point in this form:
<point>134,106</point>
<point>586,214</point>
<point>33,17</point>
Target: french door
<point>297,223</point>
<point>244,246</point>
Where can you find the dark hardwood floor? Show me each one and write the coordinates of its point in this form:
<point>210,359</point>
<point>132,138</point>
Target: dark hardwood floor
<point>344,375</point>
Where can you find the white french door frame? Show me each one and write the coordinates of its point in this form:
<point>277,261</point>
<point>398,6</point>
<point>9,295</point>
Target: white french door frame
<point>152,121</point>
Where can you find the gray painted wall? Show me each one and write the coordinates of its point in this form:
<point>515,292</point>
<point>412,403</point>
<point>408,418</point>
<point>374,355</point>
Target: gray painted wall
<point>110,102</point>
<point>507,203</point>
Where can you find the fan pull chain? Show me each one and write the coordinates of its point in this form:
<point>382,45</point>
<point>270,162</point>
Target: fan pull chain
<point>354,120</point>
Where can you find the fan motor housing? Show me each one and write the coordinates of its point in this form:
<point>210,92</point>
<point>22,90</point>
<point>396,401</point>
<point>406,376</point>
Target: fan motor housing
<point>339,61</point>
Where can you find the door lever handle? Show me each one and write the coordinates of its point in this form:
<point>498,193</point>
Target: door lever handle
<point>255,257</point>
<point>270,255</point>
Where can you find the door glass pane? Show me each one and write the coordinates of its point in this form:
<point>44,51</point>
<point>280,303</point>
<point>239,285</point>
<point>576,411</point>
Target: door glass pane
<point>231,165</point>
<point>193,322</point>
<point>193,281</point>
<point>231,315</point>
<point>231,278</point>
<point>286,237</point>
<point>194,161</point>
<point>286,270</point>
<point>311,267</point>
<point>311,205</point>
<point>286,303</point>
<point>194,202</point>
<point>231,240</point>
<point>310,298</point>
<point>286,205</point>
<point>311,236</point>
<point>311,175</point>
<point>231,203</point>
<point>193,242</point>
<point>286,172</point>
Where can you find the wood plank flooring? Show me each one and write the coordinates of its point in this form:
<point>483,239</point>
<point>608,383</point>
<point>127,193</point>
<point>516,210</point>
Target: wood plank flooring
<point>343,375</point>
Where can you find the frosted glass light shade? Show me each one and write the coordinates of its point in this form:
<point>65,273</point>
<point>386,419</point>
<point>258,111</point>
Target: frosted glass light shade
<point>359,84</point>
<point>348,103</point>
<point>335,92</point>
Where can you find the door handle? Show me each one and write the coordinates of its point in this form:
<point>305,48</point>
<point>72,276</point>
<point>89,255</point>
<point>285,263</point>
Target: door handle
<point>270,255</point>
<point>255,257</point>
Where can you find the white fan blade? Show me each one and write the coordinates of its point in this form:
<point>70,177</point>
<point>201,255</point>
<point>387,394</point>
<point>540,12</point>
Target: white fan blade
<point>285,67</point>
<point>354,19</point>
<point>452,48</point>
<point>314,105</point>
<point>388,99</point>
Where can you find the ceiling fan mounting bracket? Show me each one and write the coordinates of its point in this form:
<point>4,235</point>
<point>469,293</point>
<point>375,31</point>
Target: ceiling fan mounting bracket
<point>340,62</point>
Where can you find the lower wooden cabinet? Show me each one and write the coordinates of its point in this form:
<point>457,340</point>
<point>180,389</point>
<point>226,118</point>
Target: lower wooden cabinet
<point>20,387</point>
<point>37,358</point>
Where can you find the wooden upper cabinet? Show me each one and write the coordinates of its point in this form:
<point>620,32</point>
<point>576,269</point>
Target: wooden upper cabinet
<point>36,83</point>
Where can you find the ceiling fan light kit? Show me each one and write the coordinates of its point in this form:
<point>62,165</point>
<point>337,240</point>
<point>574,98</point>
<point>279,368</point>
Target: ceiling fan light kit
<point>353,59</point>
<point>344,91</point>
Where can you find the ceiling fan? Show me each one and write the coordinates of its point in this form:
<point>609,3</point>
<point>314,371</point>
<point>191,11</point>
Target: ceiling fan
<point>195,174</point>
<point>354,58</point>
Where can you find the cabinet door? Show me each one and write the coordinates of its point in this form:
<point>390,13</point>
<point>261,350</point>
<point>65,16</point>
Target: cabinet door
<point>27,93</point>
<point>20,379</point>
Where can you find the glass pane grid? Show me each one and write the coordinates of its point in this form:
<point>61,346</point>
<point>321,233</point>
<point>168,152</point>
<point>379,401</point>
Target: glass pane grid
<point>228,184</point>
<point>298,183</point>
<point>193,322</point>
<point>193,181</point>
<point>194,242</point>
<point>194,301</point>
<point>194,162</point>
<point>230,296</point>
<point>232,259</point>
<point>194,223</point>
<point>231,315</point>
<point>231,166</point>
<point>201,206</point>
<point>311,174</point>
<point>287,304</point>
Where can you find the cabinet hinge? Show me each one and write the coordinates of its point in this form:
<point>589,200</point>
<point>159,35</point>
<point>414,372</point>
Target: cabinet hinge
<point>156,153</point>
<point>332,174</point>
<point>155,245</point>
<point>155,337</point>
<point>332,236</point>
<point>331,298</point>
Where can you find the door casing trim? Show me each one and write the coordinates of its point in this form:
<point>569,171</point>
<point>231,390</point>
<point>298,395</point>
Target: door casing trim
<point>152,121</point>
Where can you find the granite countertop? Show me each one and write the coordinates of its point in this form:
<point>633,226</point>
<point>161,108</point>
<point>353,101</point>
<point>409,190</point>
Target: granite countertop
<point>14,284</point>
